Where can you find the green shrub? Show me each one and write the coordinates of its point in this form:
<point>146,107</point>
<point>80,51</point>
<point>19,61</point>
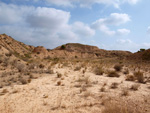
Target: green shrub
<point>63,47</point>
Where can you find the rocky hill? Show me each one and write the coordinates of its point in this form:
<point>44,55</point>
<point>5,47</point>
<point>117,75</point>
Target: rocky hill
<point>141,55</point>
<point>76,47</point>
<point>70,50</point>
<point>14,46</point>
<point>91,51</point>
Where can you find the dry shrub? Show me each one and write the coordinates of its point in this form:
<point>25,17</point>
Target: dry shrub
<point>6,61</point>
<point>102,89</point>
<point>139,76</point>
<point>21,67</point>
<point>113,74</point>
<point>118,67</point>
<point>87,80</point>
<point>59,75</point>
<point>130,78</point>
<point>23,81</point>
<point>1,61</point>
<point>99,71</point>
<point>41,66</point>
<point>83,71</point>
<point>114,85</point>
<point>8,54</point>
<point>58,83</point>
<point>126,71</point>
<point>50,71</point>
<point>125,92</point>
<point>1,85</point>
<point>77,68</point>
<point>135,87</point>
<point>32,66</point>
<point>4,91</point>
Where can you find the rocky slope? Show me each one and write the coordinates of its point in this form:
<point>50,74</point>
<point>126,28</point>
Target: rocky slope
<point>14,46</point>
<point>141,55</point>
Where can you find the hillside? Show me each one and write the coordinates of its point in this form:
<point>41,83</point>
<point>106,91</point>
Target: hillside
<point>141,55</point>
<point>72,78</point>
<point>14,46</point>
<point>88,51</point>
<point>69,50</point>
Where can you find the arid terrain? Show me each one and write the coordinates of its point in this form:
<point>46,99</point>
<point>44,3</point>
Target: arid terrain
<point>72,78</point>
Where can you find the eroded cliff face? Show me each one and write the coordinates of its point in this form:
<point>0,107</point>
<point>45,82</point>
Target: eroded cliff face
<point>14,46</point>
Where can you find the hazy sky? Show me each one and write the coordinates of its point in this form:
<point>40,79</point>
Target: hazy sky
<point>108,24</point>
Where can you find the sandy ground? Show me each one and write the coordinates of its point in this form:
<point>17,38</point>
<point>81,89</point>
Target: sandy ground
<point>73,92</point>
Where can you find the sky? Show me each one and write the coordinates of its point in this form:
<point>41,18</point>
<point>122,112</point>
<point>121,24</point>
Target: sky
<point>108,24</point>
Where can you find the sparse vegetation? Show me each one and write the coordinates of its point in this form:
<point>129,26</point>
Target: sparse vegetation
<point>20,67</point>
<point>66,82</point>
<point>135,87</point>
<point>114,85</point>
<point>125,91</point>
<point>113,74</point>
<point>126,71</point>
<point>59,75</point>
<point>99,71</point>
<point>58,83</point>
<point>77,68</point>
<point>63,47</point>
<point>118,67</point>
<point>139,76</point>
<point>121,106</point>
<point>130,78</point>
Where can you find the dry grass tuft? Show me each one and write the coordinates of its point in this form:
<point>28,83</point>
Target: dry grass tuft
<point>126,71</point>
<point>114,85</point>
<point>125,92</point>
<point>135,87</point>
<point>113,74</point>
<point>130,78</point>
<point>139,76</point>
<point>99,71</point>
<point>77,68</point>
